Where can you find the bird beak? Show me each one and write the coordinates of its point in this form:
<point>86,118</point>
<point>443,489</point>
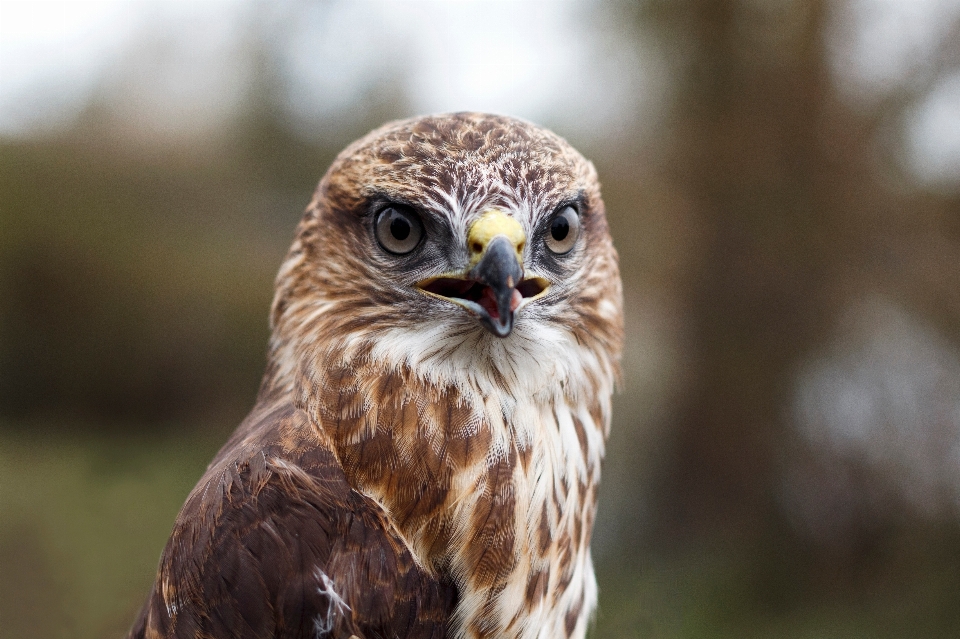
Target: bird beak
<point>499,271</point>
<point>493,287</point>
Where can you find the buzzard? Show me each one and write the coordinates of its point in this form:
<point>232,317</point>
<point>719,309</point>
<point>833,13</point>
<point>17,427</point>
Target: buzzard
<point>424,454</point>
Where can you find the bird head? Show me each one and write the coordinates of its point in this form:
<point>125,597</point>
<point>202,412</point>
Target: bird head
<point>465,241</point>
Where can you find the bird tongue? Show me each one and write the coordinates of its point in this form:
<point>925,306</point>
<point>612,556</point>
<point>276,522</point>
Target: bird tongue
<point>489,302</point>
<point>515,299</point>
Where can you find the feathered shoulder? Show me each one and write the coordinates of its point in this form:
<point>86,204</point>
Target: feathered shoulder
<point>253,546</point>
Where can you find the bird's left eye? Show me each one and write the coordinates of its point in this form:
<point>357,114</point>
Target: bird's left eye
<point>564,231</point>
<point>398,229</point>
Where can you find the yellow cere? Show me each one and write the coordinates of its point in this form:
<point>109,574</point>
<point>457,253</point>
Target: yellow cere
<point>492,223</point>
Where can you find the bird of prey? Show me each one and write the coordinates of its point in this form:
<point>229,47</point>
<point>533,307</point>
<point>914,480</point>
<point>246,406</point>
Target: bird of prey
<point>424,454</point>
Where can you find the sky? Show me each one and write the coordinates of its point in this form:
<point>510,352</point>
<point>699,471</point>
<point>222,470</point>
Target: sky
<point>179,66</point>
<point>537,59</point>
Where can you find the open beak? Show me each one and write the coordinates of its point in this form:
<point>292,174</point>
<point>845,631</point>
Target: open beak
<point>492,288</point>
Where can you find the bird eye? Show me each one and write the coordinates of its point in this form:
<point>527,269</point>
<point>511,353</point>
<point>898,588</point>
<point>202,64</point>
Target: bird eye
<point>564,231</point>
<point>398,229</point>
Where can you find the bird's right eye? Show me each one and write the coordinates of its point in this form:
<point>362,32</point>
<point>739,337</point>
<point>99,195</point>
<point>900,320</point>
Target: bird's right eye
<point>398,229</point>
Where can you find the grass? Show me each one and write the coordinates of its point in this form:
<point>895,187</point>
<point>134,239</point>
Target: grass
<point>739,593</point>
<point>82,524</point>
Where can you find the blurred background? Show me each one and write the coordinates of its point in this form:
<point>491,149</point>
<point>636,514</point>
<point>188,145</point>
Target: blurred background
<point>783,185</point>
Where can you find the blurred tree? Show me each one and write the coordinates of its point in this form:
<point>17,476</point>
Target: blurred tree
<point>748,125</point>
<point>136,266</point>
<point>796,212</point>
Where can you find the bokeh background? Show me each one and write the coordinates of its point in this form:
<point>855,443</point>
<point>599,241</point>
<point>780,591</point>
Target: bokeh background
<point>783,185</point>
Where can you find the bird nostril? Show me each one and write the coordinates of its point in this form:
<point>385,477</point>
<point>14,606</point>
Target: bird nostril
<point>476,247</point>
<point>520,247</point>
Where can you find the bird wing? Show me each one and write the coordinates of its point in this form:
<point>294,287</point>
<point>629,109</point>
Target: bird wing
<point>273,542</point>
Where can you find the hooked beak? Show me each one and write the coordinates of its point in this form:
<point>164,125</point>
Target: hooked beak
<point>493,287</point>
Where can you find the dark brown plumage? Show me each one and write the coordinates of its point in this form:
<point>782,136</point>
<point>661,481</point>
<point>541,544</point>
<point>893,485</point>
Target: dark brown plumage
<point>424,454</point>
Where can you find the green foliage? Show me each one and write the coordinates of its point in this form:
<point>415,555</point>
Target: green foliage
<point>84,518</point>
<point>728,591</point>
<point>136,284</point>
